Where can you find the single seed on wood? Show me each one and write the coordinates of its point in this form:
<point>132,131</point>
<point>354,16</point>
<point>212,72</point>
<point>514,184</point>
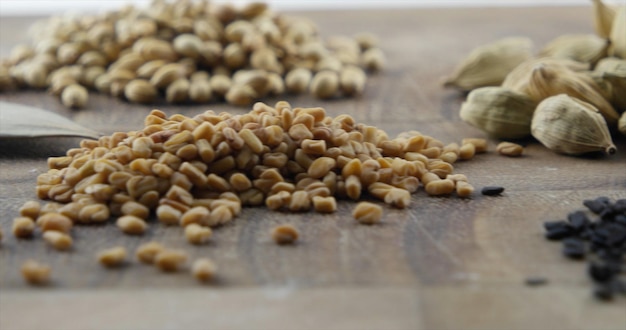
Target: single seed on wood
<point>492,190</point>
<point>35,273</point>
<point>464,189</point>
<point>285,234</point>
<point>23,227</point>
<point>147,252</point>
<point>131,225</point>
<point>30,209</point>
<point>170,260</point>
<point>58,240</point>
<point>509,149</point>
<point>74,96</point>
<point>197,234</point>
<point>367,213</point>
<point>203,269</point>
<point>399,198</point>
<point>113,257</point>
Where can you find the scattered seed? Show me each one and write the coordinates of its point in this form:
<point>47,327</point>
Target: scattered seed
<point>367,213</point>
<point>203,269</point>
<point>536,281</point>
<point>35,273</point>
<point>197,234</point>
<point>113,257</point>
<point>492,190</point>
<point>285,234</point>
<point>170,260</point>
<point>58,240</point>
<point>147,252</point>
<point>23,227</point>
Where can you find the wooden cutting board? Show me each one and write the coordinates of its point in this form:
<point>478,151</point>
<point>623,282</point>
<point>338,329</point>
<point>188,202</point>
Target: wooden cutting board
<point>444,263</point>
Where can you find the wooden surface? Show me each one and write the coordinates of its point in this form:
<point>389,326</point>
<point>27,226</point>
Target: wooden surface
<point>444,263</point>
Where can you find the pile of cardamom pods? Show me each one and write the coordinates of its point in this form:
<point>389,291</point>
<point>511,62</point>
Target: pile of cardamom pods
<point>569,96</point>
<point>188,51</point>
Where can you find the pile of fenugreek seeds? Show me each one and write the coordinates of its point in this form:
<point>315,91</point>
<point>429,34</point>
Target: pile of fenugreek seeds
<point>189,52</point>
<point>198,173</point>
<point>568,96</point>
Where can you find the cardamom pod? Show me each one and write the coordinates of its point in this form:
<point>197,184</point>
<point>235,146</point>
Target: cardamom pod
<point>587,48</point>
<point>545,80</point>
<point>489,64</point>
<point>621,124</point>
<point>610,74</point>
<point>603,18</point>
<point>567,125</point>
<point>618,34</point>
<point>499,111</point>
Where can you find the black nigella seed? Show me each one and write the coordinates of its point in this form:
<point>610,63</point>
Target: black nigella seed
<point>574,248</point>
<point>559,231</point>
<point>620,206</point>
<point>492,190</point>
<point>536,281</point>
<point>578,220</point>
<point>600,272</point>
<point>597,205</point>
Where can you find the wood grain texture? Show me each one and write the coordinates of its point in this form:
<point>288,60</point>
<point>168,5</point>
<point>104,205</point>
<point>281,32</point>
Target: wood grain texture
<point>445,263</point>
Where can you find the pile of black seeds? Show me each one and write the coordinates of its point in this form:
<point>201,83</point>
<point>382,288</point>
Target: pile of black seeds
<point>602,241</point>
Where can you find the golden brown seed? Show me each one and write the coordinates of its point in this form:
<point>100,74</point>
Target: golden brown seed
<point>113,257</point>
<point>35,273</point>
<point>299,201</point>
<point>325,84</point>
<point>197,234</point>
<point>74,96</point>
<point>203,269</point>
<point>440,187</point>
<point>136,209</point>
<point>140,91</point>
<point>197,215</point>
<point>58,240</point>
<point>170,260</point>
<point>464,189</point>
<point>131,225</point>
<point>297,80</point>
<point>93,213</point>
<point>23,227</point>
<point>367,213</point>
<point>285,234</point>
<point>324,204</point>
<point>373,59</point>
<point>147,252</point>
<point>320,167</point>
<point>399,198</point>
<point>509,149</point>
<point>30,209</point>
<point>54,221</point>
<point>480,145</point>
<point>467,151</point>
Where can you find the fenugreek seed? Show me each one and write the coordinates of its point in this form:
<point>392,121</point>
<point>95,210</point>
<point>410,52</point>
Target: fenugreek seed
<point>113,257</point>
<point>197,215</point>
<point>30,209</point>
<point>457,177</point>
<point>467,151</point>
<point>93,213</point>
<point>203,269</point>
<point>399,198</point>
<point>325,84</point>
<point>58,240</point>
<point>285,234</point>
<point>373,59</point>
<point>353,187</point>
<point>35,273</point>
<point>464,189</point>
<point>147,252</point>
<point>320,167</point>
<point>367,213</point>
<point>480,145</point>
<point>170,260</point>
<point>297,80</point>
<point>509,149</point>
<point>74,96</point>
<point>197,234</point>
<point>23,227</point>
<point>54,221</point>
<point>131,225</point>
<point>299,201</point>
<point>324,204</point>
<point>140,91</point>
<point>440,187</point>
<point>220,215</point>
<point>135,209</point>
